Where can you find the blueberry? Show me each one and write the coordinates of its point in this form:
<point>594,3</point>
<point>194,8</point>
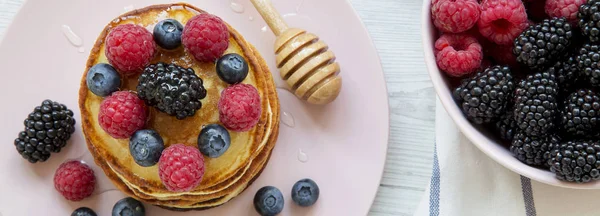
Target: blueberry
<point>232,68</point>
<point>128,207</point>
<point>268,201</point>
<point>167,34</point>
<point>102,79</point>
<point>213,140</point>
<point>145,147</point>
<point>305,192</point>
<point>83,211</point>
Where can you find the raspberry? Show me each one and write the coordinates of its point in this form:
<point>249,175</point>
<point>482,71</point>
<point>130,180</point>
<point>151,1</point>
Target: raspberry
<point>181,167</point>
<point>436,1</point>
<point>458,54</point>
<point>74,180</point>
<point>239,107</point>
<point>564,8</point>
<point>455,15</point>
<point>129,48</point>
<point>206,37</point>
<point>502,21</point>
<point>121,114</point>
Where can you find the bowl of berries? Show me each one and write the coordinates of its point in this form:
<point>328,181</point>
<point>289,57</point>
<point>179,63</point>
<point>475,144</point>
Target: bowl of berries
<point>520,79</point>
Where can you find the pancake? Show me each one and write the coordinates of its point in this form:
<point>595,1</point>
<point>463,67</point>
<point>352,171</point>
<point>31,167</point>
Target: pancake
<point>226,176</point>
<point>190,204</point>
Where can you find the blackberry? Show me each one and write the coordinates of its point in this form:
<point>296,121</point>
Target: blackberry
<point>536,103</point>
<point>47,130</point>
<point>588,63</point>
<point>581,113</point>
<point>172,89</point>
<point>542,43</point>
<point>506,126</point>
<point>533,150</point>
<point>576,161</point>
<point>567,74</point>
<point>484,97</point>
<point>588,20</point>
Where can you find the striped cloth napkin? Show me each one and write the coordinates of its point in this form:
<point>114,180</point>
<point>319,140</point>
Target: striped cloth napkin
<point>466,182</point>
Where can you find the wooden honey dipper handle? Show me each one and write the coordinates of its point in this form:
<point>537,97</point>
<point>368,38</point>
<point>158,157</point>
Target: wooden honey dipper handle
<point>305,63</point>
<point>271,16</point>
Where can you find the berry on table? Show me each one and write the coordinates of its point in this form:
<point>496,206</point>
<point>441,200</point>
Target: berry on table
<point>533,150</point>
<point>102,79</point>
<point>239,107</point>
<point>536,104</point>
<point>485,96</point>
<point>146,146</point>
<point>581,114</point>
<point>167,34</point>
<point>121,114</point>
<point>172,89</point>
<point>540,45</point>
<point>213,140</point>
<point>576,161</point>
<point>232,68</point>
<point>47,130</point>
<point>129,48</point>
<point>206,37</point>
<point>181,167</point>
<point>455,16</point>
<point>268,201</point>
<point>74,180</point>
<point>458,54</point>
<point>128,207</point>
<point>501,21</point>
<point>564,8</point>
<point>305,192</point>
<point>83,211</point>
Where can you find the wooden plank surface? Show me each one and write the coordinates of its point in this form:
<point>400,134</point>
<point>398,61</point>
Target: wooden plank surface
<point>394,26</point>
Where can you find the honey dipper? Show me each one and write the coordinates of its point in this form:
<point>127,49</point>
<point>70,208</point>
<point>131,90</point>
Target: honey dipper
<point>304,62</point>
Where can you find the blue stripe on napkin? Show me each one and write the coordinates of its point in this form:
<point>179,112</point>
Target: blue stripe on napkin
<point>434,190</point>
<point>527,196</point>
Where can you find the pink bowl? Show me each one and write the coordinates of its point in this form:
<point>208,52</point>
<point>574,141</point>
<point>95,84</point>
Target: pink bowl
<point>485,141</point>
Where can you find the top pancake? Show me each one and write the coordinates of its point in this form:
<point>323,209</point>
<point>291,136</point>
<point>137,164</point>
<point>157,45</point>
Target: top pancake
<point>245,146</point>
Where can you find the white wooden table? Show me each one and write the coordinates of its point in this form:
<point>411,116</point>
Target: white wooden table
<point>394,26</point>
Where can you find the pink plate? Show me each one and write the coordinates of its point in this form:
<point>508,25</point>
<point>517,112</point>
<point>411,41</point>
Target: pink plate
<point>342,146</point>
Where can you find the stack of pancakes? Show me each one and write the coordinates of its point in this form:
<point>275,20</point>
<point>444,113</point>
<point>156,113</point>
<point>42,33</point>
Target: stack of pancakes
<point>225,176</point>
